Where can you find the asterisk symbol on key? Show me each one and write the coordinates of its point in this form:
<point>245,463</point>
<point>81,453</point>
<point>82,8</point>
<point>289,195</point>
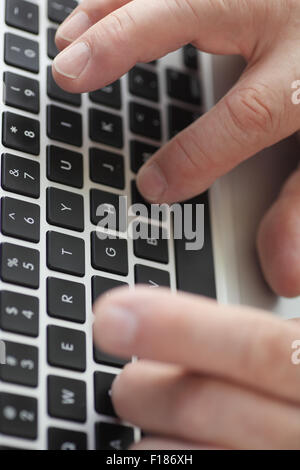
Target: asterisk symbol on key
<point>13,130</point>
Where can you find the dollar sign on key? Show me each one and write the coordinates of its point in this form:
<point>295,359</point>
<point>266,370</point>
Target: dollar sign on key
<point>11,311</point>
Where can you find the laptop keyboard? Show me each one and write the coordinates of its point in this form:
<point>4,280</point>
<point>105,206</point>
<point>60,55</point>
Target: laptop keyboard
<point>63,155</point>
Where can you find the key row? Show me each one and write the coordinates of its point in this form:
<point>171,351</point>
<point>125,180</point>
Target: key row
<point>66,254</point>
<point>23,133</point>
<point>20,219</point>
<point>66,349</point>
<point>21,368</point>
<point>66,400</point>
<point>23,92</point>
<point>109,436</point>
<point>22,176</point>
<point>24,54</point>
<point>66,300</point>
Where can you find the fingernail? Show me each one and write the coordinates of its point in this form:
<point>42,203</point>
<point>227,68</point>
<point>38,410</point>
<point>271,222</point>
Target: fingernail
<point>151,182</point>
<point>74,27</point>
<point>117,326</point>
<point>73,60</point>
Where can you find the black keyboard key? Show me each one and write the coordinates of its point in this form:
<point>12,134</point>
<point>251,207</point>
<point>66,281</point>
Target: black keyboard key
<point>183,87</point>
<point>190,57</point>
<point>52,50</point>
<point>67,399</point>
<point>114,209</point>
<point>195,268</point>
<point>108,96</point>
<point>110,255</point>
<point>64,439</point>
<point>102,387</point>
<point>64,166</point>
<point>151,276</point>
<point>21,365</point>
<point>20,219</point>
<point>20,265</point>
<point>58,10</point>
<point>107,168</point>
<point>65,209</point>
<point>65,254</point>
<point>101,285</point>
<point>144,83</point>
<point>101,357</point>
<point>148,247</point>
<point>113,437</point>
<point>18,416</point>
<point>66,300</point>
<point>19,313</point>
<point>66,348</point>
<point>21,133</point>
<point>64,125</point>
<point>21,52</point>
<point>106,128</point>
<point>58,94</point>
<point>22,15</point>
<point>179,119</point>
<point>140,152</point>
<point>21,92</point>
<point>145,121</point>
<point>20,175</point>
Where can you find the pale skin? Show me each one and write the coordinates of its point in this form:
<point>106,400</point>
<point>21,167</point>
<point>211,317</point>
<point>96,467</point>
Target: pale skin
<point>211,376</point>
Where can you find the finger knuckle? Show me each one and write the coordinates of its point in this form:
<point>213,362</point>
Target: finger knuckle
<point>183,8</point>
<point>119,24</point>
<point>254,114</point>
<point>190,151</point>
<point>115,28</point>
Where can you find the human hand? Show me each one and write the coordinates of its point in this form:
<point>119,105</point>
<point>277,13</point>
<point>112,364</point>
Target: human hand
<point>210,376</point>
<point>109,37</point>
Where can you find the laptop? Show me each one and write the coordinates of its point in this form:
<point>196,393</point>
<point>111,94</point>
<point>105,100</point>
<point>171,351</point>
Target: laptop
<point>62,156</point>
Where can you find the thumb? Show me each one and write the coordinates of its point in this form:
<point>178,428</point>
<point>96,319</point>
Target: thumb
<point>255,114</point>
<point>278,240</point>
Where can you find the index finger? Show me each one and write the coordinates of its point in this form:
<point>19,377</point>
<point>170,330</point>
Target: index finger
<point>236,343</point>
